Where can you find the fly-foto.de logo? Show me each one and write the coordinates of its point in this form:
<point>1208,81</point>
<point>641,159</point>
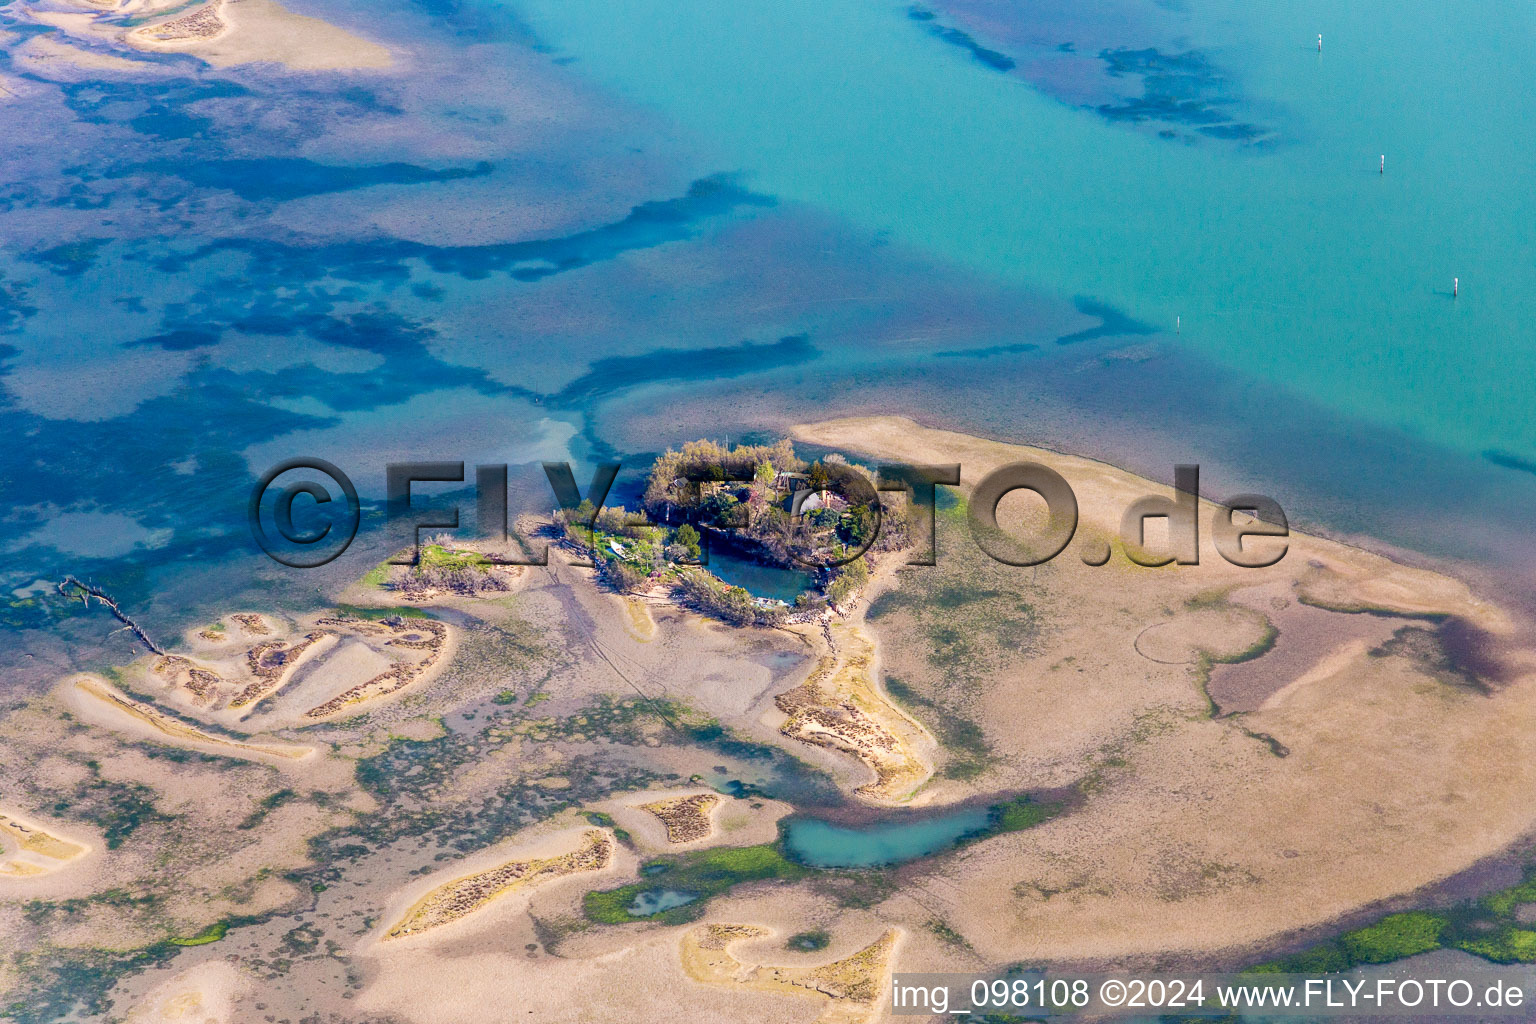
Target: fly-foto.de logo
<point>305,512</point>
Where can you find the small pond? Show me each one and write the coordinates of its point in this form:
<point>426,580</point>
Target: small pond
<point>654,901</point>
<point>758,579</point>
<point>824,845</point>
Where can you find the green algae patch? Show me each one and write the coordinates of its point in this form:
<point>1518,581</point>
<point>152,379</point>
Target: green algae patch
<point>213,933</point>
<point>1395,937</point>
<point>402,611</point>
<point>1485,928</point>
<point>705,874</point>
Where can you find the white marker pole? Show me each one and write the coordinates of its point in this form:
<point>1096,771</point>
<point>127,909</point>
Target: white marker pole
<point>1455,287</point>
<point>1178,325</point>
<point>1319,42</point>
<point>1383,163</point>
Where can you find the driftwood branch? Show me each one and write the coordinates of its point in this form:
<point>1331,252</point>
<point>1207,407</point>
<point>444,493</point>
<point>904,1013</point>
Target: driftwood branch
<point>87,591</point>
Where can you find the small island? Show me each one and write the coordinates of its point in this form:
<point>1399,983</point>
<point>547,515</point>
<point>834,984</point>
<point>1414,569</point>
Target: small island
<point>720,526</point>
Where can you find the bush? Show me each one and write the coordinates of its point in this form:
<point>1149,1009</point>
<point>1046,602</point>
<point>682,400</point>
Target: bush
<point>733,604</point>
<point>848,581</point>
<point>624,577</point>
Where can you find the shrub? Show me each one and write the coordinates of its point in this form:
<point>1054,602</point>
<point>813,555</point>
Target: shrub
<point>624,577</point>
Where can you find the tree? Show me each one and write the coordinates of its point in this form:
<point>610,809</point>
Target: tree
<point>819,477</point>
<point>689,538</point>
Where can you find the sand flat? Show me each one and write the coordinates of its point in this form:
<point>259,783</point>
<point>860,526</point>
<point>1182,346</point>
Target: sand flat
<point>95,694</point>
<point>850,987</point>
<point>1371,775</point>
<point>232,32</point>
<point>459,898</point>
<point>28,850</point>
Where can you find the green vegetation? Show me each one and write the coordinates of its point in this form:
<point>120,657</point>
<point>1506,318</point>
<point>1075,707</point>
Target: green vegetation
<point>505,697</point>
<point>732,604</point>
<point>1019,814</point>
<point>213,933</point>
<point>809,942</point>
<point>1486,928</point>
<point>436,556</point>
<point>947,934</point>
<point>848,580</point>
<point>707,873</point>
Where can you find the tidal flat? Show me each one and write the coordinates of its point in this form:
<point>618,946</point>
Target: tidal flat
<point>474,798</point>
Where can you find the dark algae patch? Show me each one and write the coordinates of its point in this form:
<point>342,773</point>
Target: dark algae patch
<point>964,740</point>
<point>809,942</point>
<point>1183,90</point>
<point>955,37</point>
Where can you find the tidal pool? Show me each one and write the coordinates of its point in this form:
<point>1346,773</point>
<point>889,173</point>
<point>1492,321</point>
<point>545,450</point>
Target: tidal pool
<point>824,845</point>
<point>654,901</point>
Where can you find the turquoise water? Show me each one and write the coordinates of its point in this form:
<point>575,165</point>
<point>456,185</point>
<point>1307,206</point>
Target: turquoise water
<point>824,845</point>
<point>654,901</point>
<point>626,225</point>
<point>1296,262</point>
<point>758,579</point>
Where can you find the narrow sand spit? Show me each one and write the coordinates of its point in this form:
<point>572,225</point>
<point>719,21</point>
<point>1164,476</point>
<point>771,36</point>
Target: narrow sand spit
<point>27,850</point>
<point>851,987</point>
<point>230,32</point>
<point>94,695</point>
<point>203,25</point>
<point>1359,772</point>
<point>463,896</point>
<point>295,676</point>
<point>840,707</point>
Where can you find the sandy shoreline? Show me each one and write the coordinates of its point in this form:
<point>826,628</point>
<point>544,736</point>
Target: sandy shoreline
<point>1196,836</point>
<point>231,32</point>
<point>223,33</point>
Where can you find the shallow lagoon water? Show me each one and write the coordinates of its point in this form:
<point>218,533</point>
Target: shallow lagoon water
<point>753,214</point>
<point>774,582</point>
<point>1295,262</point>
<point>824,845</point>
